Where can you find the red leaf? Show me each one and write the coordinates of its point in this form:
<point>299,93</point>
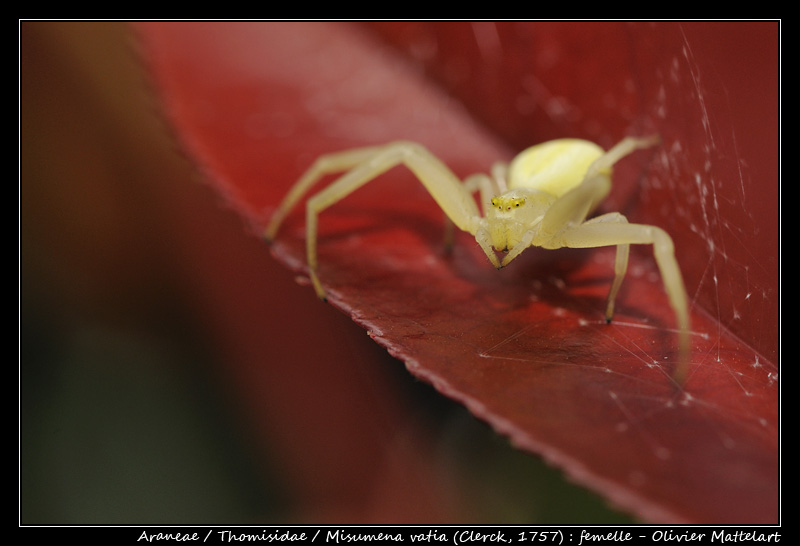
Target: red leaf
<point>527,349</point>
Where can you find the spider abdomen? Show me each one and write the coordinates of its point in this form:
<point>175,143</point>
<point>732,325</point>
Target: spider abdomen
<point>555,167</point>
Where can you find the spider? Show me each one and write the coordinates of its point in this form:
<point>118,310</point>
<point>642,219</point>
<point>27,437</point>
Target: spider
<point>542,198</point>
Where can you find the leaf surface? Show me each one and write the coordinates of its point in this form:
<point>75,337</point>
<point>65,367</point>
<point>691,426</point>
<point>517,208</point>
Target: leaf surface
<point>525,349</point>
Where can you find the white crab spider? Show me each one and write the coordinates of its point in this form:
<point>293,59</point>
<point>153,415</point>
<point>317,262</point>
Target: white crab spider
<point>542,198</point>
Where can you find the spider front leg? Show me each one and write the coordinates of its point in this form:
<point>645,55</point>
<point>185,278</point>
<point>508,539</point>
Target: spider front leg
<point>626,146</point>
<point>367,164</point>
<point>613,229</point>
<point>564,225</point>
<point>324,165</point>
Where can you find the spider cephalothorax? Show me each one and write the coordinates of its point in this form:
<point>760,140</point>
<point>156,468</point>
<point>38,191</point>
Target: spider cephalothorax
<point>515,213</point>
